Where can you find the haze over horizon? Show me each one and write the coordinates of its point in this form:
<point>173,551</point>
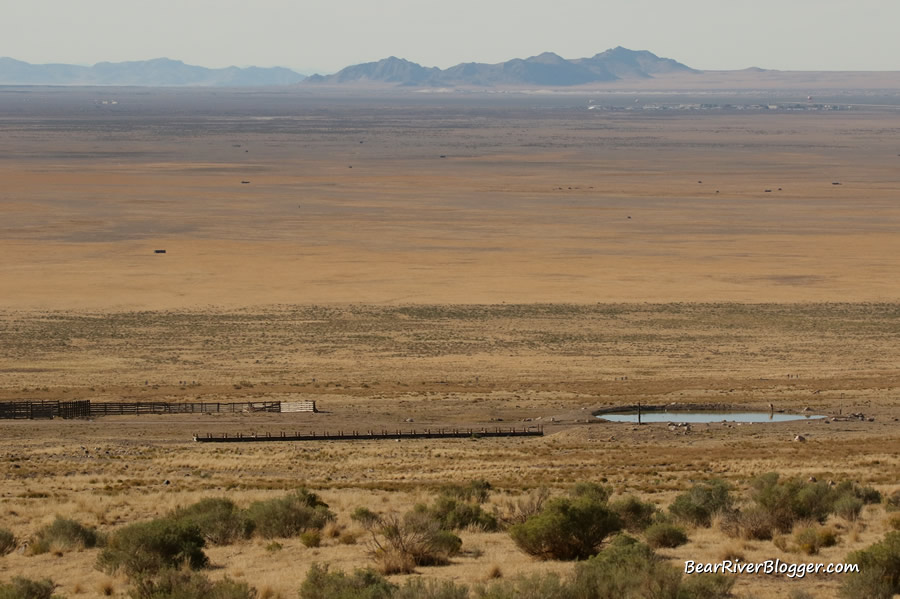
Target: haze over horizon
<point>324,37</point>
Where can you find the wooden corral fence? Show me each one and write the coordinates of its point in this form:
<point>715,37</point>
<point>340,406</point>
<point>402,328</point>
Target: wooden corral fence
<point>162,407</point>
<point>87,409</point>
<point>298,406</point>
<point>455,433</point>
<point>26,410</point>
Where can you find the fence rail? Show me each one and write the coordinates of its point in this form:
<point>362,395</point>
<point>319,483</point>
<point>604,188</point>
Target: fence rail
<point>86,409</point>
<point>455,433</point>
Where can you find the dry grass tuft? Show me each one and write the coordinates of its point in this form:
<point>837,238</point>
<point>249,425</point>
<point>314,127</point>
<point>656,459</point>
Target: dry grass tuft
<point>732,552</point>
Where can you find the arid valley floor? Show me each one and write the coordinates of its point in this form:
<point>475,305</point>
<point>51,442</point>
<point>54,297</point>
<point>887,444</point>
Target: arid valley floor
<point>414,261</point>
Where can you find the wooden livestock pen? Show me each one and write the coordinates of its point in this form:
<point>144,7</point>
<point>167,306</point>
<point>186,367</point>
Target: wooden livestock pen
<point>31,410</point>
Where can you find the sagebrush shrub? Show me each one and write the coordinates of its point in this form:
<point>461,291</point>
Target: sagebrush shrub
<point>454,514</point>
<point>701,502</point>
<point>754,523</point>
<point>879,570</point>
<point>24,588</point>
<point>416,588</point>
<point>145,548</point>
<point>536,586</point>
<point>290,515</point>
<point>311,538</point>
<point>219,520</point>
<point>706,586</point>
<point>848,507</point>
<point>812,538</point>
<point>567,528</point>
<point>626,569</point>
<point>663,534</point>
<point>187,584</point>
<point>321,583</point>
<point>635,515</point>
<point>64,534</point>
<point>595,491</point>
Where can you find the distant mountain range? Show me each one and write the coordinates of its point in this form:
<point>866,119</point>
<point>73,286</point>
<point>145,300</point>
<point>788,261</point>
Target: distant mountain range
<point>156,72</point>
<point>620,67</point>
<point>545,70</point>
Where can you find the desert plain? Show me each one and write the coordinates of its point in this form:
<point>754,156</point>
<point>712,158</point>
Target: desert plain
<point>442,260</point>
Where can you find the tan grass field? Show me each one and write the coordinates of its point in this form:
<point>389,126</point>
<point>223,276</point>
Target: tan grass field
<point>554,262</point>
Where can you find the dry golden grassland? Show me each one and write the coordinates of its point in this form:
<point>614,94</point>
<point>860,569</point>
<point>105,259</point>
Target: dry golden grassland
<point>376,367</point>
<point>554,262</point>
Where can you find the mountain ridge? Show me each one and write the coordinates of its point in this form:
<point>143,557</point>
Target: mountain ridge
<point>153,72</point>
<point>546,69</point>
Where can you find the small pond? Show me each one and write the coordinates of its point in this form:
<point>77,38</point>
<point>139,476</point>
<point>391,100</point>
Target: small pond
<point>701,417</point>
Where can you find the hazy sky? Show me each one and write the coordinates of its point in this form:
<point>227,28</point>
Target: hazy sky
<point>327,35</point>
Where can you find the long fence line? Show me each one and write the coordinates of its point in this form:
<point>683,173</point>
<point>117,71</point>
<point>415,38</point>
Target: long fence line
<point>455,433</point>
<point>87,409</point>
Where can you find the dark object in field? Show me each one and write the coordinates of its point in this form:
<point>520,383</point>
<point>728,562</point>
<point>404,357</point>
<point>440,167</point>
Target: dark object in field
<point>768,191</point>
<point>244,182</point>
<point>443,155</point>
<point>159,251</point>
<point>835,182</point>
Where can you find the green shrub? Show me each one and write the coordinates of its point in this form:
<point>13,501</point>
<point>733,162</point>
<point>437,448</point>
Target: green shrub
<point>666,535</point>
<point>706,586</point>
<point>320,583</point>
<point>290,515</point>
<point>634,514</point>
<point>701,502</point>
<point>311,538</point>
<point>148,547</point>
<point>454,514</point>
<point>593,491</point>
<point>24,588</point>
<point>537,586</point>
<point>7,541</point>
<point>879,570</point>
<point>754,523</point>
<point>868,495</point>
<point>64,534</point>
<point>220,521</point>
<point>789,500</point>
<point>848,507</point>
<point>812,538</point>
<point>626,569</point>
<point>185,584</point>
<point>567,529</point>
